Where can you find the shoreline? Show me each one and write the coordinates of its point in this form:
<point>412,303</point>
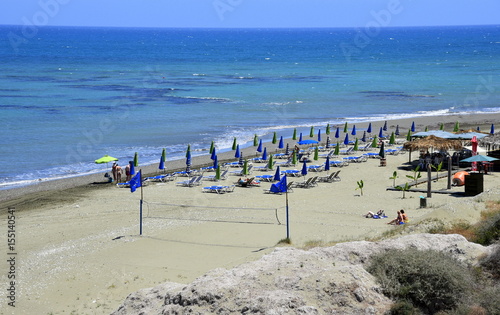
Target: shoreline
<point>10,195</point>
<point>79,248</point>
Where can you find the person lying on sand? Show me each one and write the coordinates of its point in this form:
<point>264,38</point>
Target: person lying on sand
<point>379,214</point>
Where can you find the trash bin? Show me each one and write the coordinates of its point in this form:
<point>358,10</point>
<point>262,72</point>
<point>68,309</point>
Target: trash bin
<point>473,184</point>
<point>423,202</point>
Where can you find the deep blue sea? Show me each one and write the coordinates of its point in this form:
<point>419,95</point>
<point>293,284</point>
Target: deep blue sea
<point>70,95</point>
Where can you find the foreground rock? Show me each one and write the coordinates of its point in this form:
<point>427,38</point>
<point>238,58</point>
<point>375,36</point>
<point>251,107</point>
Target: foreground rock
<point>330,280</point>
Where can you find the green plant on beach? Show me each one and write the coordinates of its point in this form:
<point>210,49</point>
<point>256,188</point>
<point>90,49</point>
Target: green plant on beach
<point>404,188</point>
<point>438,169</point>
<point>431,280</point>
<point>393,177</point>
<point>361,184</point>
<point>416,175</point>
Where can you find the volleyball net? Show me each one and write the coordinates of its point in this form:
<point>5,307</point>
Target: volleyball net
<point>206,213</point>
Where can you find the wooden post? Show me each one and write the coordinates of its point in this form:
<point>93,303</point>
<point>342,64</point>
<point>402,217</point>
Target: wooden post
<point>429,180</point>
<point>449,173</point>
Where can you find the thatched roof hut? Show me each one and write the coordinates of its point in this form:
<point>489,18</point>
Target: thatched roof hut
<point>491,142</point>
<point>434,142</point>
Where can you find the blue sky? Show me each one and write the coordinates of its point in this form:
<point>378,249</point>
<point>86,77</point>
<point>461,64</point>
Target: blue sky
<point>250,13</point>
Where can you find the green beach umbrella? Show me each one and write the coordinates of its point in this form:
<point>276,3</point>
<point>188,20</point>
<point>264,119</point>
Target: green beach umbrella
<point>392,139</point>
<point>275,139</point>
<point>441,127</point>
<point>270,162</point>
<point>311,133</point>
<point>426,128</point>
<point>234,144</point>
<point>455,129</point>
<point>217,172</point>
<point>164,155</point>
<point>136,159</point>
<point>255,140</point>
<point>408,136</point>
<point>374,142</point>
<point>105,159</point>
<point>294,158</point>
<point>316,154</point>
<point>212,146</point>
<point>294,137</point>
<point>337,149</point>
<point>245,168</point>
<point>381,153</point>
<point>188,151</point>
<point>327,129</point>
<point>356,145</point>
<point>346,129</point>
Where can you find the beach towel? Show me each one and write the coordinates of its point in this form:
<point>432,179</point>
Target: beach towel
<point>379,216</point>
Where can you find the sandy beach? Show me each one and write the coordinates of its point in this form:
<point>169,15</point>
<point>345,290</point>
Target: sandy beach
<point>79,250</point>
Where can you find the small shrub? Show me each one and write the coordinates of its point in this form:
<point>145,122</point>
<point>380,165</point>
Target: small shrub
<point>431,280</point>
<point>488,231</point>
<point>491,263</point>
<point>404,308</point>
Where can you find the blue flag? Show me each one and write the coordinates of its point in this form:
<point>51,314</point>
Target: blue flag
<point>279,187</point>
<point>135,182</point>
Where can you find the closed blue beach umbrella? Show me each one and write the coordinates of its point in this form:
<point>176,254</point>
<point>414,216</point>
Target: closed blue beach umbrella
<point>240,161</point>
<point>385,126</point>
<point>281,145</point>
<point>304,169</point>
<point>216,162</point>
<point>264,154</point>
<point>132,168</point>
<point>381,134</point>
<point>277,176</point>
<point>214,154</point>
<point>413,126</point>
<point>327,164</point>
<point>259,148</point>
<point>319,135</point>
<point>188,160</point>
<point>327,142</point>
<point>237,153</point>
<point>363,138</point>
<point>300,137</point>
<point>397,130</point>
<point>492,130</point>
<point>161,166</point>
<point>369,130</point>
<point>287,151</point>
<point>337,133</point>
<point>353,130</point>
<point>346,139</point>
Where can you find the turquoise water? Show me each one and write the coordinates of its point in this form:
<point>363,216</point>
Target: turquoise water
<point>70,95</point>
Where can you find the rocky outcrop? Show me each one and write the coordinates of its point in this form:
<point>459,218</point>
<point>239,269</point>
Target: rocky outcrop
<point>330,280</point>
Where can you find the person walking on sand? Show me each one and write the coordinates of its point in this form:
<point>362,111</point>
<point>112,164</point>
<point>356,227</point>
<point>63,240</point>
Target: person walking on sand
<point>113,170</point>
<point>118,173</point>
<point>127,172</point>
